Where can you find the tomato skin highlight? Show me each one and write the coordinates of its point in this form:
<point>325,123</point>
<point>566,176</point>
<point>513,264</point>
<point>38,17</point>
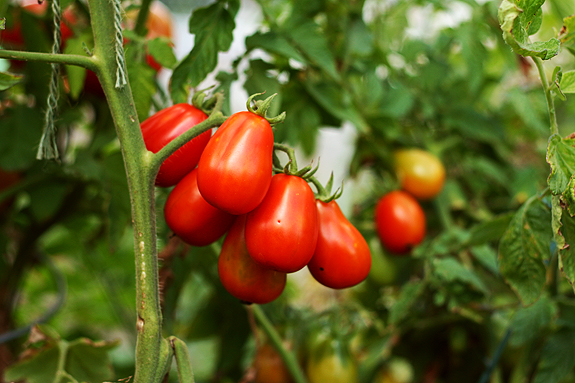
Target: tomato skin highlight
<point>240,275</point>
<point>281,233</point>
<point>420,172</point>
<point>161,128</point>
<point>399,221</point>
<point>191,218</point>
<point>235,170</point>
<point>342,257</point>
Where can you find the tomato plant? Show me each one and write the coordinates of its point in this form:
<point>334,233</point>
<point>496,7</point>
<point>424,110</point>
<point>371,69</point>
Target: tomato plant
<point>420,173</point>
<point>235,169</point>
<point>342,257</point>
<point>241,276</point>
<point>400,222</point>
<point>163,127</point>
<point>190,217</point>
<point>281,233</point>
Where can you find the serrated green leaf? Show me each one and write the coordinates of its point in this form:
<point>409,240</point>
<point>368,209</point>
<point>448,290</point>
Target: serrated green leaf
<point>567,82</point>
<point>88,361</point>
<point>213,28</point>
<point>557,357</point>
<point>489,230</point>
<point>161,49</point>
<point>556,81</point>
<point>410,293</point>
<point>528,322</point>
<point>259,79</point>
<point>520,19</point>
<point>524,247</point>
<point>8,80</point>
<point>561,158</point>
<point>556,214</point>
<point>450,270</point>
<point>24,127</point>
<point>567,250</point>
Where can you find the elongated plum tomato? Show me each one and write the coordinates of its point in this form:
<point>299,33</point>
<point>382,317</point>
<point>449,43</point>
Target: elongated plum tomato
<point>281,233</point>
<point>420,172</point>
<point>241,276</point>
<point>342,257</point>
<point>399,221</point>
<point>235,170</point>
<point>191,218</point>
<point>161,128</point>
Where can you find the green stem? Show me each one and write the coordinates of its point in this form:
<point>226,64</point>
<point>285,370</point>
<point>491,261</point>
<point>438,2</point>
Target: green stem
<point>150,346</point>
<point>58,58</point>
<point>215,119</point>
<point>292,162</point>
<point>548,95</point>
<point>140,27</point>
<point>287,356</point>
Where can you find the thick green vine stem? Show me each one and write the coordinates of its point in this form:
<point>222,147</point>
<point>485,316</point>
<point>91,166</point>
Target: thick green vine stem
<point>287,356</point>
<point>261,107</point>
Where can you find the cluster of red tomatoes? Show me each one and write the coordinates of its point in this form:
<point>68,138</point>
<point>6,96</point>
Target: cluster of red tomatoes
<point>399,218</point>
<point>275,224</point>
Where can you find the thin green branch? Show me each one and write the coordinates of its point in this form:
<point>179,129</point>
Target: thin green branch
<point>140,27</point>
<point>287,356</point>
<point>548,95</point>
<point>216,118</point>
<point>57,58</point>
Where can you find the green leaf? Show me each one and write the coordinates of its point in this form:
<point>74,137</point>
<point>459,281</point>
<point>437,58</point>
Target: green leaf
<point>567,250</point>
<point>76,74</point>
<point>226,80</point>
<point>142,81</point>
<point>2,23</point>
<point>561,158</point>
<point>24,127</point>
<point>567,82</point>
<point>567,33</point>
<point>524,247</point>
<point>556,82</point>
<point>84,360</point>
<point>313,45</point>
<point>528,322</point>
<point>520,19</point>
<point>557,357</point>
<point>489,230</point>
<point>8,80</point>
<point>274,43</point>
<point>450,270</point>
<point>213,28</point>
<point>260,79</point>
<point>410,293</point>
<point>162,51</point>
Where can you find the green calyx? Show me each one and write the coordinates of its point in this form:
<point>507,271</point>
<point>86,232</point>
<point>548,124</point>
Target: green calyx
<point>324,192</point>
<point>261,107</point>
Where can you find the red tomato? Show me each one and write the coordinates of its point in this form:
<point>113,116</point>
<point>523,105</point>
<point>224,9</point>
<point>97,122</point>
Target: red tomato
<point>342,257</point>
<point>235,170</point>
<point>161,128</point>
<point>191,218</point>
<point>269,366</point>
<point>400,221</point>
<point>281,233</point>
<point>420,173</point>
<point>241,276</point>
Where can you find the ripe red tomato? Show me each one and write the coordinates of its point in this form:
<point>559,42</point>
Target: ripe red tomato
<point>281,233</point>
<point>241,276</point>
<point>269,366</point>
<point>191,218</point>
<point>400,221</point>
<point>162,127</point>
<point>235,170</point>
<point>420,173</point>
<point>342,257</point>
